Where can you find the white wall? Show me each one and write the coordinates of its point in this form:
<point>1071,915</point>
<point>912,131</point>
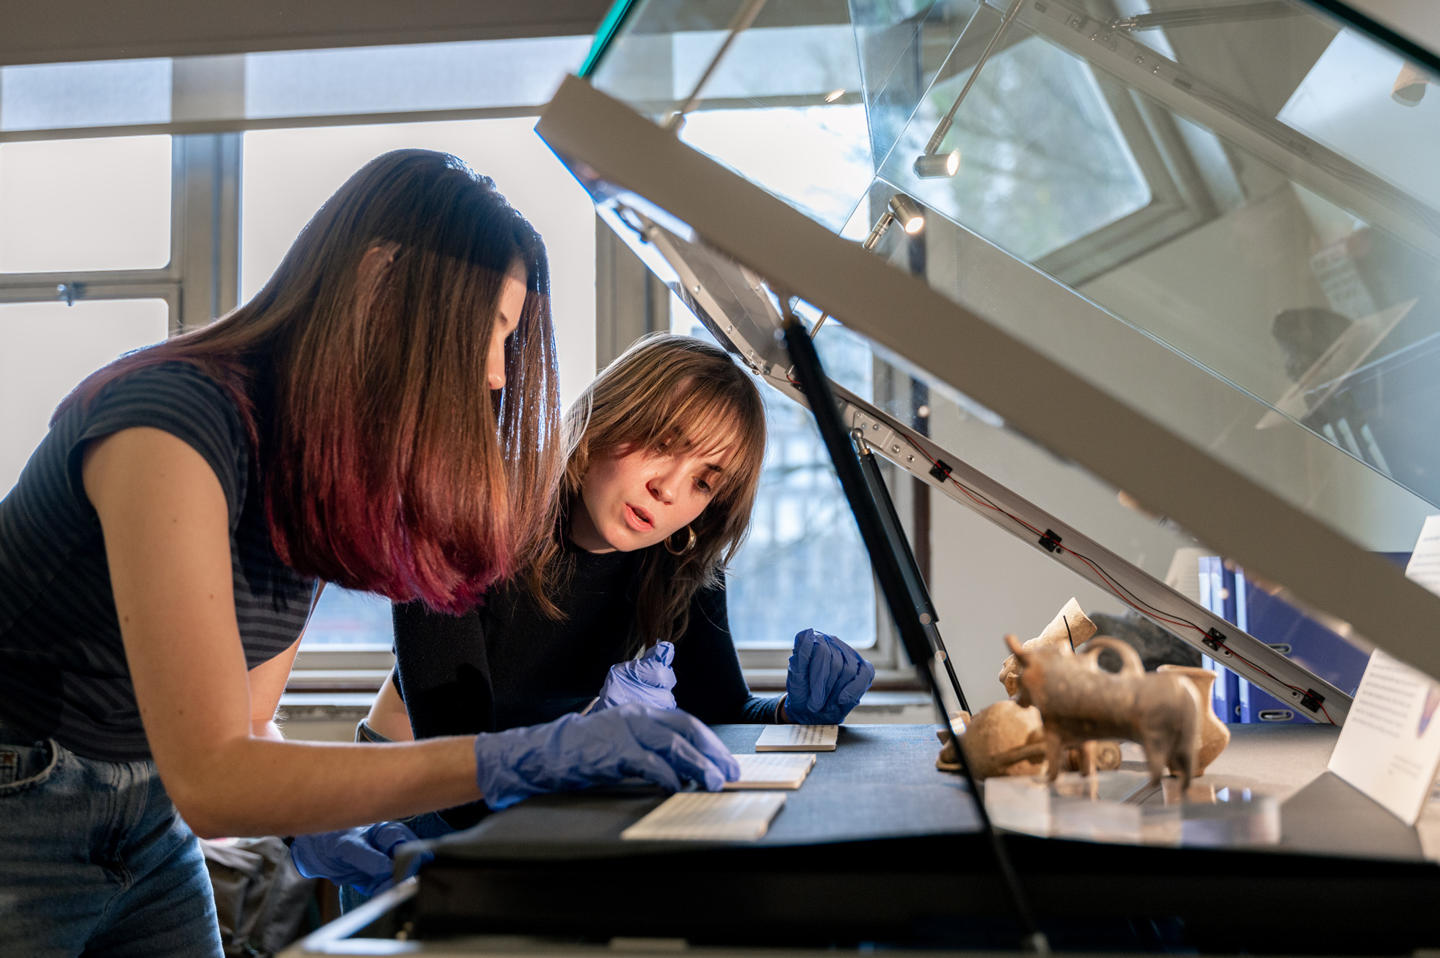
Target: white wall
<point>988,582</point>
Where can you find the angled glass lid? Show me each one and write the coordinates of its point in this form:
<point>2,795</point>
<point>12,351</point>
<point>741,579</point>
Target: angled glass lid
<point>1215,215</point>
<point>1244,183</point>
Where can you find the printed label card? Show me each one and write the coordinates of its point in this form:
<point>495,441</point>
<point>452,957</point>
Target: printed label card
<point>1424,565</point>
<point>798,738</point>
<point>708,816</point>
<point>772,770</point>
<point>1389,747</point>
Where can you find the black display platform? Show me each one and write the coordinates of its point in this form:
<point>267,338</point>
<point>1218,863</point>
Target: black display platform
<point>880,847</point>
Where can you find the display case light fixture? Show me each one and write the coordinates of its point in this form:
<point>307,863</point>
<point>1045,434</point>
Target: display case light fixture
<point>929,166</point>
<point>931,153</point>
<point>900,209</point>
<point>910,214</point>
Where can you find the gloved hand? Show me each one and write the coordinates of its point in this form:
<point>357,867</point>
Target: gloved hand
<point>825,679</point>
<point>667,747</point>
<point>363,858</point>
<point>645,681</point>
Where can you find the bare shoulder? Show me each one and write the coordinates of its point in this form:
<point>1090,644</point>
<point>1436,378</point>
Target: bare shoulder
<point>143,462</point>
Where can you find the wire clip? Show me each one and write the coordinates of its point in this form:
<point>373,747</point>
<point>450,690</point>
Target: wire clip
<point>941,470</point>
<point>1214,639</point>
<point>1050,541</point>
<point>1311,700</point>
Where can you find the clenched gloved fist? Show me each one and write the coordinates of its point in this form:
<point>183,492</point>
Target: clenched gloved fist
<point>644,681</point>
<point>665,746</point>
<point>362,858</point>
<point>824,680</point>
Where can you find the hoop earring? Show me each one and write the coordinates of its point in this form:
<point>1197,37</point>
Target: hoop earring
<point>689,544</point>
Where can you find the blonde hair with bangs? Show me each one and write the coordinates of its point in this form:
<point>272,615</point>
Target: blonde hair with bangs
<point>666,391</point>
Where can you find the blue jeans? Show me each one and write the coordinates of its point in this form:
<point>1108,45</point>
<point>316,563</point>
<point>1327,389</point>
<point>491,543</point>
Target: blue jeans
<point>428,825</point>
<point>94,859</point>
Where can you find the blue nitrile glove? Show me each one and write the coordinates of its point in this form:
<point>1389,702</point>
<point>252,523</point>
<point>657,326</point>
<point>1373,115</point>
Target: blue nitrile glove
<point>825,679</point>
<point>645,681</point>
<point>362,858</point>
<point>666,747</point>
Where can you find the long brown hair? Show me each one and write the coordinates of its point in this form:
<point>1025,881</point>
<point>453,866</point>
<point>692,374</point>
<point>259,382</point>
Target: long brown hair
<point>672,391</point>
<point>386,461</point>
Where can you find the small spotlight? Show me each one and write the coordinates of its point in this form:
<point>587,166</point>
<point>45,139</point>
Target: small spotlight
<point>934,165</point>
<point>834,95</point>
<point>909,214</point>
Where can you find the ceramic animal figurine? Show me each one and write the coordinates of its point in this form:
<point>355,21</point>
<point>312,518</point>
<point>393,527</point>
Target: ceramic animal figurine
<point>1008,739</point>
<point>1079,703</point>
<point>1070,629</point>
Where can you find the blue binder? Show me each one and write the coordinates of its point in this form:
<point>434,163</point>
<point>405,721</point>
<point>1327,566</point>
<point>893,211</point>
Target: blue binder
<point>1284,628</point>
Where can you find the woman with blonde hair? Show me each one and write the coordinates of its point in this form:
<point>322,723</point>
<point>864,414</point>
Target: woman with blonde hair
<point>667,445</point>
<point>381,416</point>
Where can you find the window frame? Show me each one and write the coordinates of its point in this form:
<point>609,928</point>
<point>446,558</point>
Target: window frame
<point>163,282</point>
<point>1179,198</point>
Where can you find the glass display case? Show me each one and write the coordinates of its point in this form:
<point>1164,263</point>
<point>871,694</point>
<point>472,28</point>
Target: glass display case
<point>1140,278</point>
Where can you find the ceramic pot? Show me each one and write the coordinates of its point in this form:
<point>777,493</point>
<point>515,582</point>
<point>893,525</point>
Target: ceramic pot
<point>1070,629</point>
<point>1214,734</point>
<point>994,741</point>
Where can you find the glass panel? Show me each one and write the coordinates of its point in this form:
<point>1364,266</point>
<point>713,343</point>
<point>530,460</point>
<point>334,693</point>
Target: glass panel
<point>46,348</point>
<point>895,78</point>
<point>1041,158</point>
<point>1247,184</point>
<point>640,66</point>
<point>803,565</point>
<point>289,173</point>
<point>1311,290</point>
<point>429,76</point>
<point>783,107</point>
<point>815,157</point>
<point>85,204</point>
<point>1364,102</point>
<point>111,92</point>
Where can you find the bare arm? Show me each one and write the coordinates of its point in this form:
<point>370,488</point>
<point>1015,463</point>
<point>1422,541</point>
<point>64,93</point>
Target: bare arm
<point>267,682</point>
<point>164,520</point>
<point>387,714</point>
